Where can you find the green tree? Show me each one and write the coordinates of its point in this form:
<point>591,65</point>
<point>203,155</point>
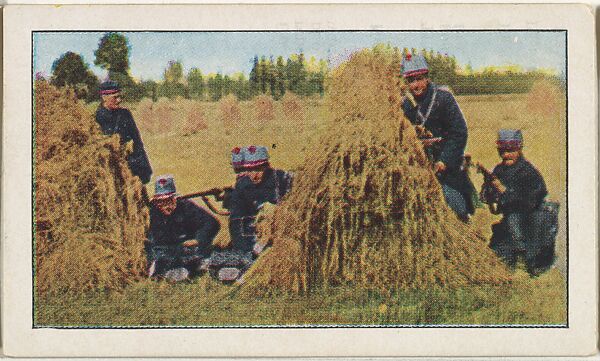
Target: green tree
<point>113,53</point>
<point>149,89</point>
<point>172,85</point>
<point>215,87</point>
<point>70,70</point>
<point>241,87</point>
<point>296,74</point>
<point>196,83</point>
<point>174,72</point>
<point>255,76</point>
<point>279,78</point>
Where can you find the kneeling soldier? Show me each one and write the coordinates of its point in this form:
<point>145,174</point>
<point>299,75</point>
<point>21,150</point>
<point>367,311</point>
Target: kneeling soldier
<point>517,190</point>
<point>254,192</point>
<point>181,233</point>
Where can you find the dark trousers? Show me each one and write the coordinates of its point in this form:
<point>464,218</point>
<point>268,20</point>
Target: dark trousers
<point>243,233</point>
<point>523,233</point>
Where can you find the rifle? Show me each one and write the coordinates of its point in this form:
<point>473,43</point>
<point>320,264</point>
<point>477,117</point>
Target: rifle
<point>215,192</point>
<point>491,189</point>
<point>218,193</point>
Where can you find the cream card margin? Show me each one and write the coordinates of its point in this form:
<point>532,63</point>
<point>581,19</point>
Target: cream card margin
<point>20,339</point>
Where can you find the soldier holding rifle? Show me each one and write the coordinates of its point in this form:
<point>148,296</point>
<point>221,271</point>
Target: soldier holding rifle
<point>441,126</point>
<point>516,189</point>
<point>181,232</point>
<point>255,192</point>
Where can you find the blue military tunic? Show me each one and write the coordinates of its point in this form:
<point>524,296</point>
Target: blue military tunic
<point>167,233</point>
<point>438,112</point>
<point>120,121</point>
<point>525,223</point>
<point>525,187</point>
<point>246,200</point>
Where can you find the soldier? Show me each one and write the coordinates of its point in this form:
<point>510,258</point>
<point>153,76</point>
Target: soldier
<point>438,118</point>
<point>181,233</point>
<point>116,120</point>
<point>517,190</point>
<point>262,185</point>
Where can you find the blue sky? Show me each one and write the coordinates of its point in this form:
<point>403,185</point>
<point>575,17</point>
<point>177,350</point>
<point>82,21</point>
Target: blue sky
<point>229,52</point>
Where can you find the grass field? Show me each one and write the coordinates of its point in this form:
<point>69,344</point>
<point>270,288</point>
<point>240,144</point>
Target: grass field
<point>201,161</point>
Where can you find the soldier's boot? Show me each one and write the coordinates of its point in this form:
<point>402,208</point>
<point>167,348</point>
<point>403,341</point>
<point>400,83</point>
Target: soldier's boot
<point>152,269</point>
<point>229,274</point>
<point>177,274</point>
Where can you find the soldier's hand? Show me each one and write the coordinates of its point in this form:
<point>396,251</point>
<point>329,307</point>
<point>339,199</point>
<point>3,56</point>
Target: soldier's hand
<point>498,185</point>
<point>190,243</point>
<point>439,167</point>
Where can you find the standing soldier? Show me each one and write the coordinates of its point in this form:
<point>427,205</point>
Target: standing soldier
<point>116,120</point>
<point>181,233</point>
<point>517,190</point>
<point>441,125</point>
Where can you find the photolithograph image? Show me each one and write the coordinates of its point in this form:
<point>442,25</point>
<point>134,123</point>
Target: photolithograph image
<point>299,179</point>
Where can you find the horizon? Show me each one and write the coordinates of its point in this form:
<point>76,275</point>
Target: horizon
<point>232,52</point>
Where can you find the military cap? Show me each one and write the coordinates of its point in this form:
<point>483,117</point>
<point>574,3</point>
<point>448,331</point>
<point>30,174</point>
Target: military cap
<point>413,65</point>
<point>510,139</point>
<point>109,87</point>
<point>255,156</point>
<point>164,186</point>
<point>237,158</point>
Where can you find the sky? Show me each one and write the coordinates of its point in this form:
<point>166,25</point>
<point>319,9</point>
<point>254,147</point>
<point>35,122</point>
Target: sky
<point>230,52</point>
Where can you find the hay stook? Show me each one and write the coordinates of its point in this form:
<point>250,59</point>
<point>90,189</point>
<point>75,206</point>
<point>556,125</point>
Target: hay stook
<point>90,215</point>
<point>366,208</point>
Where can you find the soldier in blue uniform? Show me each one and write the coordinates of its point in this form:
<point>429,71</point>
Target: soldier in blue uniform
<point>116,120</point>
<point>260,186</point>
<point>181,233</point>
<point>517,190</point>
<point>435,112</point>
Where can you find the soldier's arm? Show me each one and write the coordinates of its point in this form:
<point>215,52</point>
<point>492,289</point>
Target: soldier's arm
<point>526,193</point>
<point>205,225</point>
<point>410,111</point>
<point>456,126</point>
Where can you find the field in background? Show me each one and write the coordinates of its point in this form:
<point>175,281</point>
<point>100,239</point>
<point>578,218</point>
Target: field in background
<point>201,161</point>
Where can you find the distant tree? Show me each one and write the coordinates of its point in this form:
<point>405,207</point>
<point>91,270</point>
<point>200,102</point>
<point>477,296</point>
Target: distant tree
<point>263,78</point>
<point>296,74</point>
<point>113,53</point>
<point>172,85</point>
<point>215,87</point>
<point>70,70</point>
<point>241,87</point>
<point>174,72</point>
<point>196,83</point>
<point>279,79</point>
<point>255,76</point>
<point>149,89</point>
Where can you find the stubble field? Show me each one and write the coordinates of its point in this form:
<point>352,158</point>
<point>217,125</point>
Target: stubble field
<point>201,161</point>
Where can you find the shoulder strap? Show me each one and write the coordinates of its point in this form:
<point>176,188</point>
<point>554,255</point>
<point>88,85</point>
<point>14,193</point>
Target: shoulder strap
<point>423,118</point>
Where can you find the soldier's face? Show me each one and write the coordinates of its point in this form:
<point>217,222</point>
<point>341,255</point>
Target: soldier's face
<point>166,205</point>
<point>112,102</point>
<point>509,156</point>
<point>417,84</point>
<point>256,176</point>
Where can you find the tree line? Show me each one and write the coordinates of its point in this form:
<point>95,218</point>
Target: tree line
<point>269,75</point>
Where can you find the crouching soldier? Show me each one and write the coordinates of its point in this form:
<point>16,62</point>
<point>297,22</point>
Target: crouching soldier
<point>254,194</point>
<point>181,233</point>
<point>257,188</point>
<point>517,190</point>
